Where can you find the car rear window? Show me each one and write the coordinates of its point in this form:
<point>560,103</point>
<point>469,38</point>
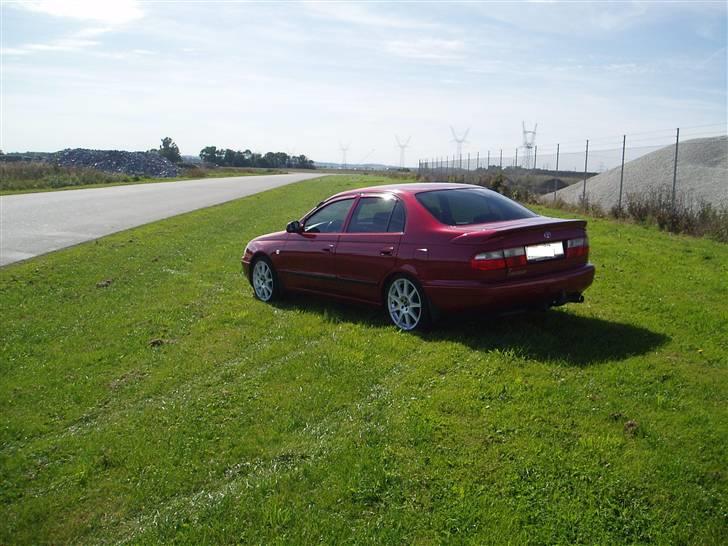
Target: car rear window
<point>461,207</point>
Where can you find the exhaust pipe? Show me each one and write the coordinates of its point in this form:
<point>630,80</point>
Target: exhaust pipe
<point>565,298</point>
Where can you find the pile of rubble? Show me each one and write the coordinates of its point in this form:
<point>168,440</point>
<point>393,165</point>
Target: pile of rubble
<point>702,169</point>
<point>116,161</point>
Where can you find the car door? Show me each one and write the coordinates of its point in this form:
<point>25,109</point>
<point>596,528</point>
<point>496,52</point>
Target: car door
<point>367,251</point>
<point>307,261</point>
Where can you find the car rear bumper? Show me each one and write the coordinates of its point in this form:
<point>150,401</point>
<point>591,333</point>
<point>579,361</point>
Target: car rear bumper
<point>551,289</point>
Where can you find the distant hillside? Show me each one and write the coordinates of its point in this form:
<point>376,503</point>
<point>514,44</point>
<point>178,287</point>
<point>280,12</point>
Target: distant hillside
<point>702,173</point>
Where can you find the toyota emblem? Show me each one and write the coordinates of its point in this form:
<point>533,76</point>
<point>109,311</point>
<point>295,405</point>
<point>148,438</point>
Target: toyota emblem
<point>547,235</point>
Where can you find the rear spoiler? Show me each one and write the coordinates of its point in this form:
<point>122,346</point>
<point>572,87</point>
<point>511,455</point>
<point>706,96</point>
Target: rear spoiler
<point>491,231</point>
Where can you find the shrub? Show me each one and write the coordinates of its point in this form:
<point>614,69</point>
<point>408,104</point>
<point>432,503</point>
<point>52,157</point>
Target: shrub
<point>654,206</point>
<point>30,175</point>
<point>687,215</point>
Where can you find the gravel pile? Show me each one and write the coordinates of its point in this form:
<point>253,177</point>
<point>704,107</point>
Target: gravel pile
<point>116,161</point>
<point>702,173</point>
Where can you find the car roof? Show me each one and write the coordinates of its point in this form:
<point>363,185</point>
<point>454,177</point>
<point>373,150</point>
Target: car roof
<point>410,188</point>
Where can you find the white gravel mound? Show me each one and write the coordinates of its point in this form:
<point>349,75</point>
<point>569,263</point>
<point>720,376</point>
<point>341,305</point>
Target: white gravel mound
<point>702,173</point>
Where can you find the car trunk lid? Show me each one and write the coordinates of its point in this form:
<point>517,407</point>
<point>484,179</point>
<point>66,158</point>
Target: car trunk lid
<point>532,246</point>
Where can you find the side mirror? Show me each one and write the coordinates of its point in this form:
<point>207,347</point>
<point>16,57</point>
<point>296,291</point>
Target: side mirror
<point>294,227</point>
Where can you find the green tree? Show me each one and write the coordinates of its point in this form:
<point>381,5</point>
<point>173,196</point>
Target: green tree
<point>170,150</point>
<point>209,154</point>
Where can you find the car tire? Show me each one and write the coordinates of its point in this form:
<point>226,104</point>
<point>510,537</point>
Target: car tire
<point>264,280</point>
<point>406,304</point>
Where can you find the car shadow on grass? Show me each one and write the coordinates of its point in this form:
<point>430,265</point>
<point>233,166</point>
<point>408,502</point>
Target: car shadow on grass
<point>556,335</point>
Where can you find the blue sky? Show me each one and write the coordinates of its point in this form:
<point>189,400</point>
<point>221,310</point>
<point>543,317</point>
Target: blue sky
<point>302,77</point>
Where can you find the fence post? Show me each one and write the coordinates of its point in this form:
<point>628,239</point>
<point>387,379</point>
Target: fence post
<point>557,171</point>
<point>674,168</point>
<point>621,174</point>
<point>488,165</point>
<point>477,162</point>
<point>535,154</point>
<point>501,159</point>
<point>586,160</point>
<point>516,161</point>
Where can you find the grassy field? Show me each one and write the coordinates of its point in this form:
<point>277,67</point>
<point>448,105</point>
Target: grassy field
<point>147,397</point>
<point>38,176</point>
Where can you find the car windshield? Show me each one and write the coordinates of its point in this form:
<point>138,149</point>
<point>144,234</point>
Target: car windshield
<point>462,207</point>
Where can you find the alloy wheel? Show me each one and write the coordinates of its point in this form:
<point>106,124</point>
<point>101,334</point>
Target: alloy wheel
<point>263,280</point>
<point>404,304</point>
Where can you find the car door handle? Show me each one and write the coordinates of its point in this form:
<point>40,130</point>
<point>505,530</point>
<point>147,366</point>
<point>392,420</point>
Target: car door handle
<point>328,248</point>
<point>386,251</point>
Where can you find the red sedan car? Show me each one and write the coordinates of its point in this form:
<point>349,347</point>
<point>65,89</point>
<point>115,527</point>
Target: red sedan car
<point>421,249</point>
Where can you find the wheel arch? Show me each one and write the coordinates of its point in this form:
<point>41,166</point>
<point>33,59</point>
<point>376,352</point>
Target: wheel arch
<point>408,272</point>
<point>256,256</point>
<point>411,273</point>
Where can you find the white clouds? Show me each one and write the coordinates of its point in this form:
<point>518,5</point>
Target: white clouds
<point>571,18</point>
<point>92,32</point>
<point>358,14</point>
<point>81,40</point>
<point>274,75</point>
<point>609,18</point>
<point>429,49</point>
<point>114,12</point>
<point>627,68</point>
<point>64,44</point>
<point>14,51</point>
<point>718,56</point>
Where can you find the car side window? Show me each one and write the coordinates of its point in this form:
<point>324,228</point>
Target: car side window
<point>397,220</point>
<point>329,219</point>
<point>373,215</point>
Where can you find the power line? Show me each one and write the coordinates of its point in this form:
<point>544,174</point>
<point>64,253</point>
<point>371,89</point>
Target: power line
<point>402,148</point>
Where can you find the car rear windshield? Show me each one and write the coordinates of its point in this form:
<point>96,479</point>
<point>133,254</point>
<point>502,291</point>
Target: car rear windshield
<point>462,207</point>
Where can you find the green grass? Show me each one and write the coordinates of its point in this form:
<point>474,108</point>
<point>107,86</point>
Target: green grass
<point>316,422</point>
<point>23,177</point>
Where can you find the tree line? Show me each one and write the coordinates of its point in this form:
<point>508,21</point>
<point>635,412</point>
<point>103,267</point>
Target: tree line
<point>236,158</point>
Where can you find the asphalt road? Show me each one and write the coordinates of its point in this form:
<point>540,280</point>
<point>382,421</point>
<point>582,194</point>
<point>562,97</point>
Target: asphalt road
<point>36,223</point>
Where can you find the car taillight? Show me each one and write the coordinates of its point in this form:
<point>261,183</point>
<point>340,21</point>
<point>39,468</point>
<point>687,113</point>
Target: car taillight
<point>499,259</point>
<point>577,247</point>
<point>515,256</point>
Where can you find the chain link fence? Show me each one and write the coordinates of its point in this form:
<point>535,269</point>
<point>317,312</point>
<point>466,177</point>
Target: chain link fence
<point>688,162</point>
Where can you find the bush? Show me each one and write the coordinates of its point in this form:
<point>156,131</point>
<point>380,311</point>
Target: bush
<point>30,175</point>
<point>687,215</point>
